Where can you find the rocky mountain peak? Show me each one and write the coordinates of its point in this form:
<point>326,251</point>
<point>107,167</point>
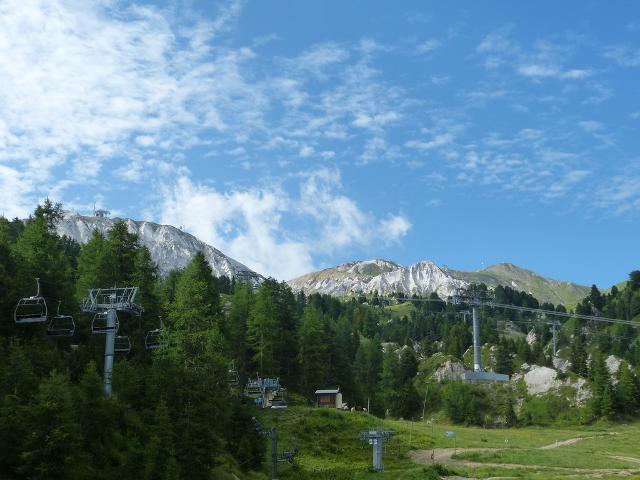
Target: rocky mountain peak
<point>170,247</point>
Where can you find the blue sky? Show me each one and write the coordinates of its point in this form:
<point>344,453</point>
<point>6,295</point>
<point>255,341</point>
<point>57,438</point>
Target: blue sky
<point>298,135</point>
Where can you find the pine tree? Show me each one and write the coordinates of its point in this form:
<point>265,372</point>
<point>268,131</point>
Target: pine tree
<point>390,382</point>
<point>52,450</point>
<point>607,403</point>
<point>160,461</point>
<point>93,269</point>
<point>7,276</point>
<point>242,302</point>
<point>312,351</point>
<point>600,386</point>
<point>196,304</point>
<point>627,390</point>
<point>262,328</point>
<point>40,253</point>
<point>145,277</point>
<point>368,367</point>
<point>578,354</point>
<point>510,418</point>
<point>503,359</point>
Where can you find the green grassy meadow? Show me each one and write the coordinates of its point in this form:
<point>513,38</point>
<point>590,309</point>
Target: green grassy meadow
<point>330,448</point>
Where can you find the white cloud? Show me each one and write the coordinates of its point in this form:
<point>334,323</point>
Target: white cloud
<point>13,185</point>
<point>591,125</point>
<point>342,221</point>
<point>439,79</point>
<point>394,228</point>
<point>252,225</point>
<point>497,41</point>
<point>317,58</point>
<point>100,80</point>
<point>437,141</point>
<point>620,194</point>
<point>428,46</point>
<point>551,71</point>
<point>623,55</point>
<point>306,151</point>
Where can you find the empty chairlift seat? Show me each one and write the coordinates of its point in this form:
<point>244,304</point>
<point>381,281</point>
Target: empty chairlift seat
<point>61,325</point>
<point>31,309</point>
<point>154,338</point>
<point>122,344</point>
<point>100,324</point>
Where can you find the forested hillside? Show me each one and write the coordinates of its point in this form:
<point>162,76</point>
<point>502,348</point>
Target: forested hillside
<point>173,414</point>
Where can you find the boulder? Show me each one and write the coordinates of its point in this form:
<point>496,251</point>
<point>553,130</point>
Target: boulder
<point>449,370</point>
<point>613,364</point>
<point>561,364</point>
<point>531,337</point>
<point>541,380</point>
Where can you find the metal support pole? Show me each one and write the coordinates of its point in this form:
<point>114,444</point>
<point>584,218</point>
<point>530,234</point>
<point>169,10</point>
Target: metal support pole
<point>477,351</point>
<point>109,343</point>
<point>377,454</point>
<point>274,453</point>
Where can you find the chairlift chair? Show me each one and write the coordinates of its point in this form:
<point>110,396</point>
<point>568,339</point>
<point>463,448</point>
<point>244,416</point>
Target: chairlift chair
<point>253,388</point>
<point>233,379</point>
<point>31,309</point>
<point>153,339</point>
<point>100,324</point>
<point>61,325</point>
<point>279,401</point>
<point>122,344</point>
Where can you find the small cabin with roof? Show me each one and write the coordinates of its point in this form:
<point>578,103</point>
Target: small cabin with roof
<point>331,398</point>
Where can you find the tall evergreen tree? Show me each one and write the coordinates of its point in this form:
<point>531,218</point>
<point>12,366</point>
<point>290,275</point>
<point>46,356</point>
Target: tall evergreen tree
<point>578,354</point>
<point>627,389</point>
<point>313,351</point>
<point>262,329</point>
<point>242,302</point>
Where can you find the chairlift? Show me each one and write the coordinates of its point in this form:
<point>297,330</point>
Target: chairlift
<point>153,339</point>
<point>100,323</point>
<point>233,379</point>
<point>31,309</point>
<point>253,388</point>
<point>122,344</point>
<point>61,325</point>
<point>279,400</point>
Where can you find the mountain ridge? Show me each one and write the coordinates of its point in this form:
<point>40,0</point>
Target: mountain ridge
<point>425,277</point>
<point>170,247</point>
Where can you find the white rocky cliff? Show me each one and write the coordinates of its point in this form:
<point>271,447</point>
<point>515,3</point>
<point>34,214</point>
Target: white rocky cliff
<point>383,276</point>
<point>423,278</point>
<point>170,247</point>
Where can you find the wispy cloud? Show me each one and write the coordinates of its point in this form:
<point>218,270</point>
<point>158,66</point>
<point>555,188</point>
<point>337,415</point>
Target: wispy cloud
<point>251,225</point>
<point>552,71</point>
<point>623,55</point>
<point>621,194</point>
<point>98,80</point>
<point>428,46</point>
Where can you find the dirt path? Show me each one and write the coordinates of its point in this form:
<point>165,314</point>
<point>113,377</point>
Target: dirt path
<point>571,441</point>
<point>444,456</point>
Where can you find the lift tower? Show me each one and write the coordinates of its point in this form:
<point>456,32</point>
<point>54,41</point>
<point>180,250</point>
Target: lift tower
<point>476,297</point>
<point>377,439</point>
<point>107,302</point>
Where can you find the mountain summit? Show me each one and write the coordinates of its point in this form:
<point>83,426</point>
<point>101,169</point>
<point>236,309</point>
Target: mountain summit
<point>425,277</point>
<point>170,247</point>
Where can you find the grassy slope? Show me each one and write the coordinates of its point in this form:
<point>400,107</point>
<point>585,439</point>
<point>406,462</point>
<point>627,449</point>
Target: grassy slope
<point>330,448</point>
<point>544,289</point>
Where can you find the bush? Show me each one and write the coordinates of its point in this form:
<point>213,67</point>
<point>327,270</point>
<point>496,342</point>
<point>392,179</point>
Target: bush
<point>465,403</point>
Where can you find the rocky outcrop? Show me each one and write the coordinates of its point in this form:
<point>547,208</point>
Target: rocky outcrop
<point>170,247</point>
